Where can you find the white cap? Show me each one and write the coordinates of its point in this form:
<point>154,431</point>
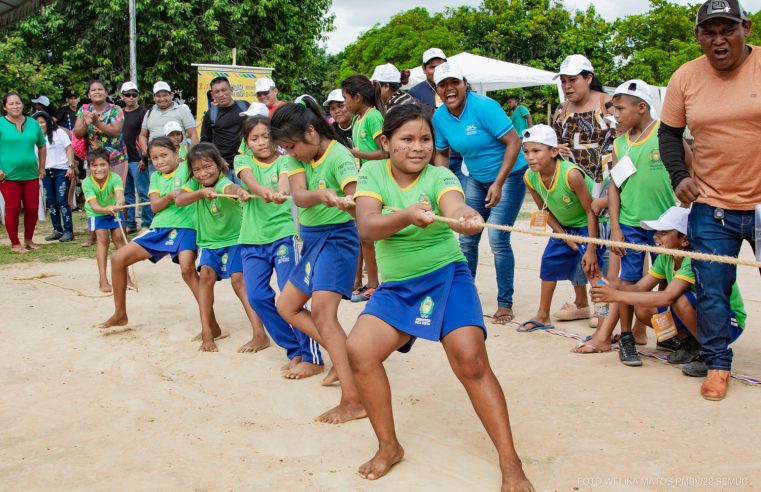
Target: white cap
<point>432,53</point>
<point>447,71</point>
<point>638,88</point>
<point>673,219</point>
<point>542,134</point>
<point>161,86</point>
<point>256,109</point>
<point>335,95</point>
<point>128,86</point>
<point>264,84</point>
<point>172,126</point>
<point>42,100</point>
<point>387,73</point>
<point>574,65</point>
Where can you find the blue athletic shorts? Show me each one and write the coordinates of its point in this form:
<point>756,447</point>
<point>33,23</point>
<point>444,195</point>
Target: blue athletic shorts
<point>224,261</point>
<point>328,259</point>
<point>633,262</point>
<point>430,306</point>
<point>736,330</point>
<point>104,222</point>
<point>560,262</point>
<point>166,241</point>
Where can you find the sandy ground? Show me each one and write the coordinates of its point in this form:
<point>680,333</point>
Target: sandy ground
<point>143,410</point>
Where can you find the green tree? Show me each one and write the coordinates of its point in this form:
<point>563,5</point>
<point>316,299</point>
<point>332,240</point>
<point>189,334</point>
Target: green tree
<point>402,42</point>
<point>27,76</point>
<point>91,38</point>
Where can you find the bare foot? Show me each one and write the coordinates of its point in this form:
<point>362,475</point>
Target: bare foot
<point>221,335</point>
<point>131,285</point>
<point>291,363</point>
<point>87,244</point>
<point>208,346</point>
<point>514,480</point>
<point>30,245</point>
<point>303,370</point>
<point>382,462</point>
<point>115,320</point>
<point>331,378</point>
<point>18,249</point>
<point>344,412</point>
<point>105,287</point>
<point>502,316</point>
<point>255,344</point>
<point>592,346</point>
<point>535,323</point>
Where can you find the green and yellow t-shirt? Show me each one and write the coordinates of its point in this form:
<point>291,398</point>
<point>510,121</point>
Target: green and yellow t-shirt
<point>105,195</point>
<point>264,223</point>
<point>663,269</point>
<point>646,194</point>
<point>560,199</point>
<point>334,170</point>
<point>365,130</point>
<point>218,219</point>
<point>172,216</point>
<point>413,251</point>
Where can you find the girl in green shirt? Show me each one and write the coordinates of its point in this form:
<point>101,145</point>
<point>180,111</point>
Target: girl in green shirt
<point>322,174</point>
<point>218,221</point>
<point>427,289</point>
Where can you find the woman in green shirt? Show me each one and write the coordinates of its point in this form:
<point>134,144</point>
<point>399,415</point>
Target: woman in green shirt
<point>20,170</point>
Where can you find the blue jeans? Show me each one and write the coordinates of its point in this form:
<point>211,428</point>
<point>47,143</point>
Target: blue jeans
<point>505,213</point>
<point>57,187</point>
<point>140,180</point>
<point>714,281</point>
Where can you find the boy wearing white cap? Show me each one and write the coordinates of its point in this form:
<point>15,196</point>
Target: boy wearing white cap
<point>342,118</point>
<point>391,81</point>
<point>173,130</point>
<point>266,92</point>
<point>563,193</point>
<point>674,307</point>
<point>640,190</point>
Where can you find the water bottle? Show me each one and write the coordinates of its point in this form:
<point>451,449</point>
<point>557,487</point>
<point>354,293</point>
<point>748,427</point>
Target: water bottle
<point>601,308</point>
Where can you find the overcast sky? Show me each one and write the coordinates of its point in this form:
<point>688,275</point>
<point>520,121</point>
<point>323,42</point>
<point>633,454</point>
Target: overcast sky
<point>353,17</point>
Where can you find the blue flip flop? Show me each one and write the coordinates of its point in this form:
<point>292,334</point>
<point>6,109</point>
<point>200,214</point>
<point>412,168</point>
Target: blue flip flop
<point>537,326</point>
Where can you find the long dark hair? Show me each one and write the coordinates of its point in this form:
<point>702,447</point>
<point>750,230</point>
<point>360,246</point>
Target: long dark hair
<point>369,91</point>
<point>49,123</point>
<point>399,115</point>
<point>292,120</point>
<point>595,85</point>
<point>206,151</point>
<point>164,141</point>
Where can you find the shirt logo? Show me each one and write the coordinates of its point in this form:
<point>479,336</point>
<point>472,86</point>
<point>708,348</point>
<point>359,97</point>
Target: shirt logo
<point>423,198</point>
<point>655,155</point>
<point>214,208</point>
<point>177,183</point>
<point>321,184</point>
<point>567,201</point>
<point>425,311</point>
<point>471,130</point>
<point>273,179</point>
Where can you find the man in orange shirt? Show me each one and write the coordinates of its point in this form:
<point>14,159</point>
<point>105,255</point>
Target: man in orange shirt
<point>707,95</point>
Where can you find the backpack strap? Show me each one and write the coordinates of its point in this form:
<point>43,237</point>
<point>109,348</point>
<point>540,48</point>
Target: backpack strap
<point>214,111</point>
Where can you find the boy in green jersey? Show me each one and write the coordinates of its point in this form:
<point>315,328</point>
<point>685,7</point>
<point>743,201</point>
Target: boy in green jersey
<point>563,193</point>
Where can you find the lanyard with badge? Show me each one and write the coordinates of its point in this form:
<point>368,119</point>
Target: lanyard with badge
<point>540,218</point>
<point>625,167</point>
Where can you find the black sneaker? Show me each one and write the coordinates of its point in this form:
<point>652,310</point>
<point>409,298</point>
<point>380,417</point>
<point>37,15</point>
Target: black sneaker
<point>670,345</point>
<point>688,352</point>
<point>628,350</point>
<point>131,230</point>
<point>54,236</point>
<point>66,237</point>
<point>696,368</point>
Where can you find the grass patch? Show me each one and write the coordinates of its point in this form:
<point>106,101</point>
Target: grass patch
<point>54,250</point>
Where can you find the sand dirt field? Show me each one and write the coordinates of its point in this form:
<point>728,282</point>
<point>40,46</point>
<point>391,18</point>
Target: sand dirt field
<point>144,410</point>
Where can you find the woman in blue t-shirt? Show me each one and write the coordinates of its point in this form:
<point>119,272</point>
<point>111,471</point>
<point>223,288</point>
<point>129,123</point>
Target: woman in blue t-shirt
<point>478,128</point>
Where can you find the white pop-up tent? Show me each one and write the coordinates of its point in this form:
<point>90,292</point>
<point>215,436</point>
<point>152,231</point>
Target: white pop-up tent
<point>488,74</point>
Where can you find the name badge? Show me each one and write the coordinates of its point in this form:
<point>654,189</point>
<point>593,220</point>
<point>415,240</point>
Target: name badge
<point>539,219</point>
<point>623,170</point>
<point>663,324</point>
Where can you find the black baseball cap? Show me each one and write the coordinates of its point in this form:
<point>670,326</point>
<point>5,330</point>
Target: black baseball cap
<point>69,93</point>
<point>721,9</point>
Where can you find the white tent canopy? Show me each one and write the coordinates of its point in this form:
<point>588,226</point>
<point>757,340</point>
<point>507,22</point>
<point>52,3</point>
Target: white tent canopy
<point>488,74</point>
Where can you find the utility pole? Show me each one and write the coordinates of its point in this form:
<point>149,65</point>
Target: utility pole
<point>132,42</point>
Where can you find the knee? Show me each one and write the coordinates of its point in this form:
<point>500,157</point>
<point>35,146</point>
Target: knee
<point>237,281</point>
<point>207,276</point>
<point>683,307</point>
<point>188,272</point>
<point>323,315</point>
<point>470,365</point>
<point>499,240</point>
<point>642,314</point>
<point>355,353</point>
<point>285,308</point>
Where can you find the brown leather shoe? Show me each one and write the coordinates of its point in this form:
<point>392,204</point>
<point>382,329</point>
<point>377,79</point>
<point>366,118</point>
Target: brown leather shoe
<point>715,386</point>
